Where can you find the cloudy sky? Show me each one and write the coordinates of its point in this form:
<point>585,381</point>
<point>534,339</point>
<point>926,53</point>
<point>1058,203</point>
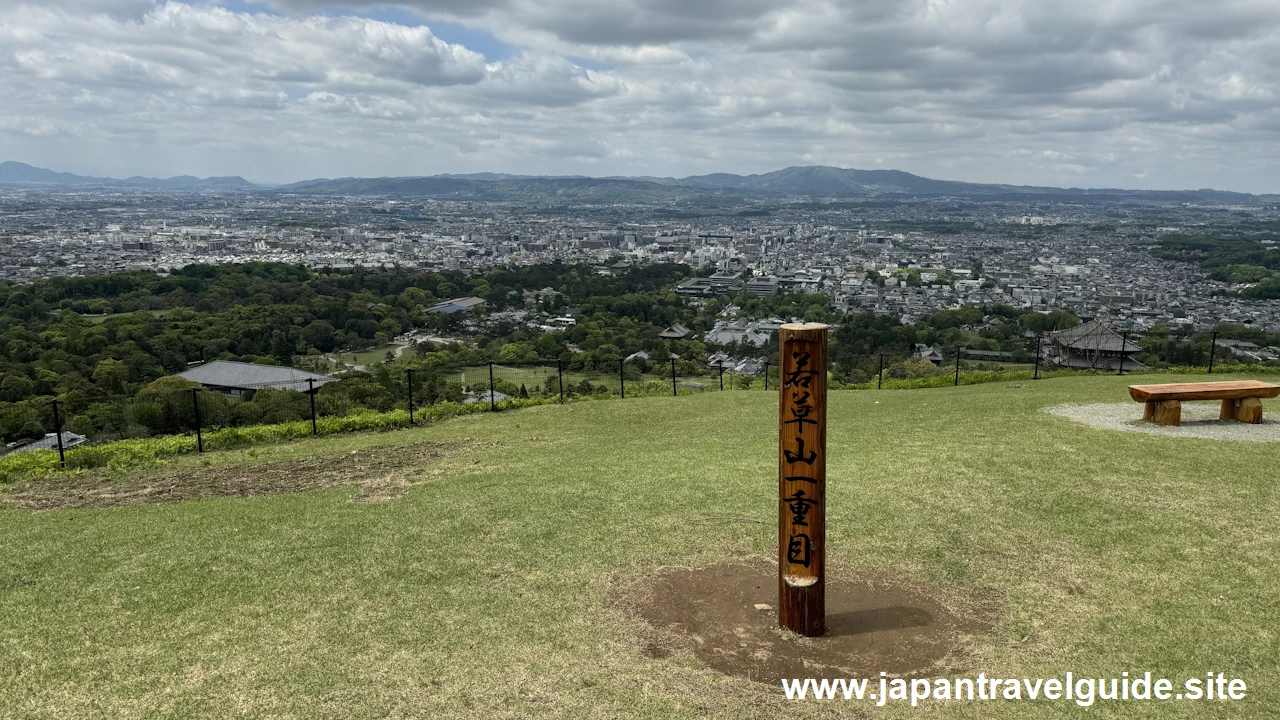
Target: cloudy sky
<point>1088,93</point>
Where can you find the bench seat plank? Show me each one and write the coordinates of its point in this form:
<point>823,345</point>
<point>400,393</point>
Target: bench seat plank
<point>1233,390</point>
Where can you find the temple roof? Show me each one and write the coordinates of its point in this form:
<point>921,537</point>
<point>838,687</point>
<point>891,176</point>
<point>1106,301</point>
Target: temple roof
<point>1094,336</point>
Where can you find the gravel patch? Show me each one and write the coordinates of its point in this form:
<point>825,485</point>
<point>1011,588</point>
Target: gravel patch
<point>1199,420</point>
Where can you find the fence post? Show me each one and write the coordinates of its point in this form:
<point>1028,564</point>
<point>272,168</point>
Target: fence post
<point>622,378</point>
<point>410,373</point>
<point>957,367</point>
<point>560,374</point>
<point>766,376</point>
<point>880,373</point>
<point>195,405</point>
<point>802,478</point>
<point>674,393</point>
<point>493,402</point>
<point>1037,375</point>
<point>721,375</point>
<point>1124,342</point>
<point>57,428</point>
<point>311,393</point>
<point>1213,349</point>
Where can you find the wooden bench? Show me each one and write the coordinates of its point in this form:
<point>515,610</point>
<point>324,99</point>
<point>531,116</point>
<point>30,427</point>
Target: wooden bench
<point>1241,400</point>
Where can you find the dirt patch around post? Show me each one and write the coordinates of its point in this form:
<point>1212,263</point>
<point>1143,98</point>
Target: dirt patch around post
<point>382,473</point>
<point>727,616</point>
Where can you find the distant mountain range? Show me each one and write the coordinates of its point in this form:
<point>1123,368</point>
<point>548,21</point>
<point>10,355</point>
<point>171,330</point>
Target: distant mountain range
<point>794,182</point>
<point>16,173</point>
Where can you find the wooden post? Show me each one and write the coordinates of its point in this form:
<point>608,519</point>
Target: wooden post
<point>880,373</point>
<point>674,391</point>
<point>802,478</point>
<point>1213,346</point>
<point>957,367</point>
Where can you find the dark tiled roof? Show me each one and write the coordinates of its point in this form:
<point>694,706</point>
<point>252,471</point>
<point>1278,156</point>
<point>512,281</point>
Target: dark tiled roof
<point>486,396</point>
<point>247,376</point>
<point>1093,335</point>
<point>50,442</point>
<point>456,305</point>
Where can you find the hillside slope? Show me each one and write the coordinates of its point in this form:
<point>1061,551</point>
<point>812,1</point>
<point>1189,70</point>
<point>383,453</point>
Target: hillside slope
<point>480,583</point>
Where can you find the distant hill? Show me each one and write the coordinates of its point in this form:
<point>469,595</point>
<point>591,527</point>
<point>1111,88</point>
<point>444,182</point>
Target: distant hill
<point>16,173</point>
<point>531,189</point>
<point>824,181</point>
<point>422,186</point>
<point>813,182</point>
<point>505,176</point>
<point>23,174</point>
<point>187,182</point>
<point>836,182</point>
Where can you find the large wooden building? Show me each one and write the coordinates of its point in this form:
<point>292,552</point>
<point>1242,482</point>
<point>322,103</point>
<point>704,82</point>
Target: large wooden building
<point>1092,346</point>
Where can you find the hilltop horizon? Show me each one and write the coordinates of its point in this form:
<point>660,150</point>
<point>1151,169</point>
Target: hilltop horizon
<point>815,180</point>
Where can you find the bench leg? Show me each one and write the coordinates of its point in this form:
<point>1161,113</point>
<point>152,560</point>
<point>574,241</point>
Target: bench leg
<point>1149,412</point>
<point>1229,408</point>
<point>1169,412</point>
<point>1250,411</point>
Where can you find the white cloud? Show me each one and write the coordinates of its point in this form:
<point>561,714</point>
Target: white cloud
<point>1168,93</point>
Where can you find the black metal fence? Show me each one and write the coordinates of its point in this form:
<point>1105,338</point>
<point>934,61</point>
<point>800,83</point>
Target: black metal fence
<point>617,378</point>
<point>196,411</point>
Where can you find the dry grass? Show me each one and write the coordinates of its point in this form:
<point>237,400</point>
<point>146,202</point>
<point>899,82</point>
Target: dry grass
<point>381,473</point>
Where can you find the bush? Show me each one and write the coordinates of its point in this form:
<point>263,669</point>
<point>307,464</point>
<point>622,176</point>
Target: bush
<point>914,369</point>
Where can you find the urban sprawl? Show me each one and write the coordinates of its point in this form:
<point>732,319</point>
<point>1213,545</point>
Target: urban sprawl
<point>905,259</point>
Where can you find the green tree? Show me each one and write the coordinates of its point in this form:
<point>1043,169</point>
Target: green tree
<point>517,352</point>
<point>111,375</point>
<point>16,387</point>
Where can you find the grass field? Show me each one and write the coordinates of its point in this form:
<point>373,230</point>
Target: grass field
<point>96,319</point>
<point>373,356</point>
<point>477,583</point>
